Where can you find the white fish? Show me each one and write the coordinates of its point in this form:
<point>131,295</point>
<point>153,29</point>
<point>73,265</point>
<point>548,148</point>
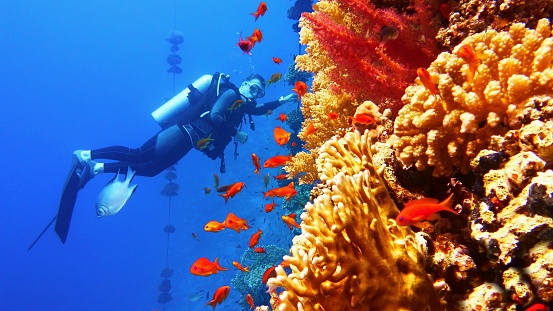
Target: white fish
<point>114,195</point>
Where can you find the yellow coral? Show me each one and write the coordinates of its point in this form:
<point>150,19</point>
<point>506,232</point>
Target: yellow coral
<point>324,96</point>
<point>351,255</point>
<point>448,130</point>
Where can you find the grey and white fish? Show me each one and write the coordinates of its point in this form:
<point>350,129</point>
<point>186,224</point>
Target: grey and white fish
<point>115,194</point>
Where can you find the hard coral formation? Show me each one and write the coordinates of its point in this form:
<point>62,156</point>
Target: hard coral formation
<point>351,255</point>
<point>468,17</point>
<point>446,131</point>
<point>517,229</point>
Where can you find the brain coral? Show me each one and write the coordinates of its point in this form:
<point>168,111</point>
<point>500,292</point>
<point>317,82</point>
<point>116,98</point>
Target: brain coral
<point>447,130</point>
<point>351,255</point>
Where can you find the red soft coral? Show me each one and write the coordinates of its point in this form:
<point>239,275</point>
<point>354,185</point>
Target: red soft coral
<point>368,68</point>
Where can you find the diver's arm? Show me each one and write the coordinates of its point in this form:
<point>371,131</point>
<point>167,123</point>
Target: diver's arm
<point>272,105</point>
<point>217,115</point>
<point>264,108</point>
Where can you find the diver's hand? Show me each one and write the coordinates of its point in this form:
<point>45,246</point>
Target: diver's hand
<point>241,137</point>
<point>288,98</point>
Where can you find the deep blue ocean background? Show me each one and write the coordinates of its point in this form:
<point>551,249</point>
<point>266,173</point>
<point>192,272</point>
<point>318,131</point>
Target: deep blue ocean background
<point>87,74</point>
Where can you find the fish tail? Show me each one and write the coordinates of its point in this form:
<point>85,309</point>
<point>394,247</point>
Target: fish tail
<point>212,303</point>
<point>225,196</point>
<point>446,205</point>
<point>218,266</point>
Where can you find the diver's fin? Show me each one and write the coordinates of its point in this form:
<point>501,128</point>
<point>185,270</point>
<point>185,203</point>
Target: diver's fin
<point>68,199</point>
<point>42,233</point>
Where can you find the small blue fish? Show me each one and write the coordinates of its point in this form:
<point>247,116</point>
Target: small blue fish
<point>115,194</point>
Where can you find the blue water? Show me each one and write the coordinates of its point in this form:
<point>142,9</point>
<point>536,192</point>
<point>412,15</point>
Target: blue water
<point>87,74</point>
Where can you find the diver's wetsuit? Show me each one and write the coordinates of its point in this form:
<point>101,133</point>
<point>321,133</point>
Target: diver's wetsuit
<point>155,155</point>
<point>171,144</point>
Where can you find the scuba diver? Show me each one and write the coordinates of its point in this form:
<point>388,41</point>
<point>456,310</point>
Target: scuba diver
<point>205,116</point>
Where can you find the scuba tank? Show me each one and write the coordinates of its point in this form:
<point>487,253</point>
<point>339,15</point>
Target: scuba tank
<point>188,105</point>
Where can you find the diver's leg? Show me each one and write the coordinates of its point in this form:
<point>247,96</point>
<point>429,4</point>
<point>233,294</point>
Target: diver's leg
<point>156,155</point>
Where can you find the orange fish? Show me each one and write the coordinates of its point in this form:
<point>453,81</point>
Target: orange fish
<point>269,273</point>
<point>236,223</point>
<point>284,264</point>
<point>277,161</point>
<point>468,55</point>
<point>537,307</point>
<point>249,299</point>
<point>423,209</point>
<point>204,267</point>
<point>300,88</point>
<point>332,115</point>
<point>274,78</point>
<point>255,160</point>
<point>281,136</point>
<point>237,104</point>
<point>245,45</point>
<point>277,60</point>
<point>269,207</point>
<point>204,142</point>
<point>207,190</point>
<point>310,129</point>
<point>287,192</point>
<point>361,119</point>
<point>255,238</point>
<point>282,117</point>
<point>268,113</point>
<point>261,9</point>
<point>239,266</point>
<point>233,190</point>
<point>220,294</point>
<point>293,144</point>
<point>281,177</point>
<point>257,36</point>
<point>290,220</point>
<point>427,81</point>
<point>260,250</point>
<point>214,226</point>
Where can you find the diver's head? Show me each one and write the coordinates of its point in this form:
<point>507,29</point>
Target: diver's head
<point>253,87</point>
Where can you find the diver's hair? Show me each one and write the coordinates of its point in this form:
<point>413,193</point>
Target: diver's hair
<point>258,77</point>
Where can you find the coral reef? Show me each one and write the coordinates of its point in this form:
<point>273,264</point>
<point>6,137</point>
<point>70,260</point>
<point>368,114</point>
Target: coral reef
<point>468,17</point>
<point>347,34</point>
<point>297,202</point>
<point>293,75</point>
<point>351,255</point>
<point>250,282</point>
<point>517,230</point>
<point>446,131</point>
<point>352,63</point>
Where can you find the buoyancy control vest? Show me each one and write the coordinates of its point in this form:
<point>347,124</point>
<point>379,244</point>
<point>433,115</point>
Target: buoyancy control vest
<point>196,99</point>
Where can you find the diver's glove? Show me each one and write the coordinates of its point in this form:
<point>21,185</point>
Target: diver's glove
<point>241,137</point>
<point>288,98</point>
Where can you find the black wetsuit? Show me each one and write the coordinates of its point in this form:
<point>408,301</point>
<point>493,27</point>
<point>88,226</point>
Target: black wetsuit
<point>172,143</point>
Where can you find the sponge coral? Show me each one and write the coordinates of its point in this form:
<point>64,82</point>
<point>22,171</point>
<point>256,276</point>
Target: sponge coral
<point>446,131</point>
<point>351,255</point>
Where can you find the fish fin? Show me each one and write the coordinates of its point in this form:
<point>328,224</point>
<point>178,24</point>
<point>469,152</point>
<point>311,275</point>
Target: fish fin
<point>421,201</point>
<point>115,178</point>
<point>446,205</point>
<point>130,173</point>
